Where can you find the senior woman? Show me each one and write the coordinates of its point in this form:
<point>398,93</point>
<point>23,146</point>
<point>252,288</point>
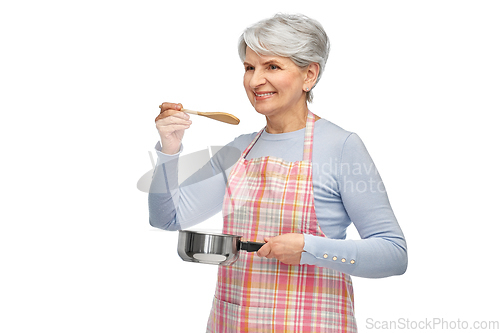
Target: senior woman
<point>297,185</point>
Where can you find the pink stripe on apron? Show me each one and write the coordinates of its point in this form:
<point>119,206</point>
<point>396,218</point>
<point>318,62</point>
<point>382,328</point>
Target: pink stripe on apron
<point>266,197</point>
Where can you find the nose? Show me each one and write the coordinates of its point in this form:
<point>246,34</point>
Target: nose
<point>257,79</point>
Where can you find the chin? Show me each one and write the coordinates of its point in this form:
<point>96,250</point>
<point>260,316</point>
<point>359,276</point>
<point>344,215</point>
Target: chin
<point>264,110</point>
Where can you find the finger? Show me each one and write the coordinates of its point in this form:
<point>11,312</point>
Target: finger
<point>170,122</point>
<point>170,106</point>
<point>264,251</point>
<point>164,114</point>
<point>174,128</point>
<point>160,116</point>
<point>172,113</point>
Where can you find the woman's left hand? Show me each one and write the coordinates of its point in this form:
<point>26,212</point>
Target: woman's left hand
<point>286,248</point>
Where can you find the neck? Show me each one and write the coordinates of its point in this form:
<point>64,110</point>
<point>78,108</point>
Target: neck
<point>288,121</point>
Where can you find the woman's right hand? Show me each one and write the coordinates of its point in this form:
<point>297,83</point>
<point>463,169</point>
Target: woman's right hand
<point>171,123</point>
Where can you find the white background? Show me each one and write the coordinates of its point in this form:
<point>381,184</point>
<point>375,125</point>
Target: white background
<point>80,86</point>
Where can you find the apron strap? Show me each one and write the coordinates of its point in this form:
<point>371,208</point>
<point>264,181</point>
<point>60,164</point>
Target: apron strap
<point>308,137</point>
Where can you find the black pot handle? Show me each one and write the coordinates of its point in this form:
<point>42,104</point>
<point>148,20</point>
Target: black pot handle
<point>251,246</point>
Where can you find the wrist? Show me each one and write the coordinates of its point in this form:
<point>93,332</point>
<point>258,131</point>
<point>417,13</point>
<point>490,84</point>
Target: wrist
<point>169,149</point>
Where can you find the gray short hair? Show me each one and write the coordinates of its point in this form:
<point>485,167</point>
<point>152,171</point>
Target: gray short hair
<point>297,37</point>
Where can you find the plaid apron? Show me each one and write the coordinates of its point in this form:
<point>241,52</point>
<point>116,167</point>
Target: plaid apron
<point>268,196</point>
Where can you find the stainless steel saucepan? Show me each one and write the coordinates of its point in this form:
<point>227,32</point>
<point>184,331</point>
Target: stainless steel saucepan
<point>212,248</point>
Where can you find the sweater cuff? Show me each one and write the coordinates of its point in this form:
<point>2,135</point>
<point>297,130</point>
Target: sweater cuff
<point>162,157</point>
<point>337,254</point>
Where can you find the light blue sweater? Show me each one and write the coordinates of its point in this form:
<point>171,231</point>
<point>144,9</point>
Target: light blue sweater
<point>347,188</point>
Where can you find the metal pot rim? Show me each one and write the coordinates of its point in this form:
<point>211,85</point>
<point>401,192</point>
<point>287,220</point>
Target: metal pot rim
<point>201,233</point>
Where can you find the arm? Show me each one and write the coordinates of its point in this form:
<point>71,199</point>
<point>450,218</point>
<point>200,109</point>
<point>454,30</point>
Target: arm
<point>163,198</point>
<point>175,207</point>
<point>382,250</point>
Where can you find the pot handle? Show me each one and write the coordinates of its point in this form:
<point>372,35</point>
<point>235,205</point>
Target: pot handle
<point>251,246</point>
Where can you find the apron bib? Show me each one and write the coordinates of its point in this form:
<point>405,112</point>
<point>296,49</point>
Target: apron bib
<point>267,197</point>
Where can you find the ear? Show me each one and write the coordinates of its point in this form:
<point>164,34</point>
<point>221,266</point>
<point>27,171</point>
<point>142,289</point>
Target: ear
<point>311,75</point>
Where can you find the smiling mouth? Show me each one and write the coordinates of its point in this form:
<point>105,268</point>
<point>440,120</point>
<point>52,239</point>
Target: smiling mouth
<point>263,94</point>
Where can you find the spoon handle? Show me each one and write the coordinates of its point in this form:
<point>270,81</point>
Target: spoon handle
<point>187,111</point>
<point>190,111</point>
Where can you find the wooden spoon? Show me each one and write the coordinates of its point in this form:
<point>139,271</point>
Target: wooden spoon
<point>220,116</point>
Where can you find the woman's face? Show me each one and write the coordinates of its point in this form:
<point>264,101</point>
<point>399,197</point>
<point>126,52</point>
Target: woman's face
<point>274,84</point>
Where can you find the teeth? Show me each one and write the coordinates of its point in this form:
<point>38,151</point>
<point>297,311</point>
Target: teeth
<point>261,95</point>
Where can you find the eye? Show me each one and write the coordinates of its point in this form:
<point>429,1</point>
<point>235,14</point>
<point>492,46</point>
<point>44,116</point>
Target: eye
<point>273,67</point>
<point>249,68</point>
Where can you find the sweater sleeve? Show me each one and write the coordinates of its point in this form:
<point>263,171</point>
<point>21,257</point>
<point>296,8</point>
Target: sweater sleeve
<point>381,251</point>
<point>163,198</point>
<point>174,206</point>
